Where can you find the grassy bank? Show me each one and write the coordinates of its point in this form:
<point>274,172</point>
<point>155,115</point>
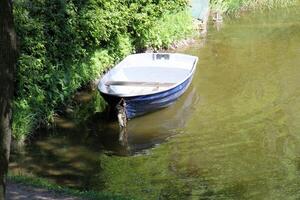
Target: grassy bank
<point>42,183</point>
<point>235,6</point>
<point>66,44</point>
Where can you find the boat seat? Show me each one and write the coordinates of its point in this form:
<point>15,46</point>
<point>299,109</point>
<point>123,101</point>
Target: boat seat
<point>138,83</point>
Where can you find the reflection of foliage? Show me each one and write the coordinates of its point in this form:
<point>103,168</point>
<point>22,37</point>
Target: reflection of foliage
<point>136,176</point>
<point>150,177</point>
<point>81,111</point>
<point>174,189</point>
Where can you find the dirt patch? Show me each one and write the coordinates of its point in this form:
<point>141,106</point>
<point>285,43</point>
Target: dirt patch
<point>17,191</point>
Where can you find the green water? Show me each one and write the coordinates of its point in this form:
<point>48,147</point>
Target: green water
<point>235,134</point>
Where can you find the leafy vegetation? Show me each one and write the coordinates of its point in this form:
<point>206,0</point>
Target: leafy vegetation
<point>169,29</point>
<point>66,44</point>
<point>233,6</point>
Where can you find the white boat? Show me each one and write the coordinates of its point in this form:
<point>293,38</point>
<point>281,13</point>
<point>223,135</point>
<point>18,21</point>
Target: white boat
<point>148,81</point>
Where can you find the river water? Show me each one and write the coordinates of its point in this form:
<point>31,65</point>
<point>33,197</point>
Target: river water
<point>235,134</point>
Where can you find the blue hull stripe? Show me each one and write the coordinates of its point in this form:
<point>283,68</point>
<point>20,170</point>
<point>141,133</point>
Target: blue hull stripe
<point>140,105</point>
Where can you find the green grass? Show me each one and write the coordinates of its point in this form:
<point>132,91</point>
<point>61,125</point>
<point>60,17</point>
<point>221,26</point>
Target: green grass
<point>235,6</point>
<point>42,183</point>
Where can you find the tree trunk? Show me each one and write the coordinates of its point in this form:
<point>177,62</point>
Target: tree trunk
<point>8,52</point>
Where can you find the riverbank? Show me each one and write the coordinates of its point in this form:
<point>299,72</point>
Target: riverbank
<point>17,191</point>
<point>24,187</point>
<point>234,7</point>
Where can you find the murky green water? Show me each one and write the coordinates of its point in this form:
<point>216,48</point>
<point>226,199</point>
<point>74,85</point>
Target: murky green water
<point>235,134</point>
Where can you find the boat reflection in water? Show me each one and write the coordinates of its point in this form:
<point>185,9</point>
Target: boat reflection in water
<point>149,130</point>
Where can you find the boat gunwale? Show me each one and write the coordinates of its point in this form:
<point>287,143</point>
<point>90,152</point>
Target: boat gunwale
<point>154,92</point>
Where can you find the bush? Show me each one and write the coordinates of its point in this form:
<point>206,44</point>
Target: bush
<point>65,44</point>
<point>169,29</point>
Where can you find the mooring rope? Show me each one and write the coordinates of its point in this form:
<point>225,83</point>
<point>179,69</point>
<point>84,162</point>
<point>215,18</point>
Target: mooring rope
<point>122,119</point>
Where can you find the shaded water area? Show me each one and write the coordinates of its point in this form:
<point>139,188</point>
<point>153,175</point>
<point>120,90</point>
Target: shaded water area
<point>235,134</point>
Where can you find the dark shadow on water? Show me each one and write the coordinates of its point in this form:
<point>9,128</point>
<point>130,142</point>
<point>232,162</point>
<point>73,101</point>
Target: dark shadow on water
<point>69,153</point>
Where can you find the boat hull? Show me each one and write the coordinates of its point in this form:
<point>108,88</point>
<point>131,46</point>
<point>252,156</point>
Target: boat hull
<point>140,105</point>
